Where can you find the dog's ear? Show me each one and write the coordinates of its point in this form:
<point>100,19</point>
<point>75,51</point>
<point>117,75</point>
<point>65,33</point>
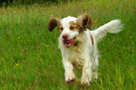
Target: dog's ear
<point>85,21</point>
<point>53,22</point>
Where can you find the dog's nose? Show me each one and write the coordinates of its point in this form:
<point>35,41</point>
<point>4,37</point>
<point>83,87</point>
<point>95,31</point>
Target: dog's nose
<point>65,36</point>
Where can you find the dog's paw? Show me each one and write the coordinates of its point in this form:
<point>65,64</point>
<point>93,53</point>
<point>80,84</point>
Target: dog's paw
<point>85,82</point>
<point>70,78</point>
<point>95,75</point>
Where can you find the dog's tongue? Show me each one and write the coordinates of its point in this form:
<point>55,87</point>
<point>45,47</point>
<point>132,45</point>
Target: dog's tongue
<point>68,43</point>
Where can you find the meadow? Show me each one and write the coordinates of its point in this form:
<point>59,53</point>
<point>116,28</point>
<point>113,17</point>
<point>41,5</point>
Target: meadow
<point>31,60</point>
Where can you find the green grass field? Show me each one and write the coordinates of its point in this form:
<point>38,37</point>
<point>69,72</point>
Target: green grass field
<point>29,54</point>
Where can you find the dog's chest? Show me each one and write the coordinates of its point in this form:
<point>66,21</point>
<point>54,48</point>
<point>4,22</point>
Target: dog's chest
<point>75,55</point>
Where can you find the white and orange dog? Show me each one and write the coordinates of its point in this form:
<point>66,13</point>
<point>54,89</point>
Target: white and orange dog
<point>79,45</point>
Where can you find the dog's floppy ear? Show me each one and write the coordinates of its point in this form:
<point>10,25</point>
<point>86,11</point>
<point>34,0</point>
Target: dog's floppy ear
<point>85,21</point>
<point>53,22</point>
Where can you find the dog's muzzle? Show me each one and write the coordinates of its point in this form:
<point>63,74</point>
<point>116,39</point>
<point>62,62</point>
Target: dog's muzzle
<point>69,43</point>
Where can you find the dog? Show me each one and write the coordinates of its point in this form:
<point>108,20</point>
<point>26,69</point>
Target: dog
<point>78,44</point>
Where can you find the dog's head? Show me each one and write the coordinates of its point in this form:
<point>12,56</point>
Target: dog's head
<point>70,27</point>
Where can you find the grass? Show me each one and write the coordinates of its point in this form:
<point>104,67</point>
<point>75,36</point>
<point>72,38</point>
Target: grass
<point>30,59</point>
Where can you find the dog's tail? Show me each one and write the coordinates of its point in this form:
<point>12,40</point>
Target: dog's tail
<point>113,26</point>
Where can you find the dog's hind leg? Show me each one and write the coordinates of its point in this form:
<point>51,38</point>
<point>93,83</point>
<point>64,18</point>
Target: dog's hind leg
<point>86,73</point>
<point>95,68</point>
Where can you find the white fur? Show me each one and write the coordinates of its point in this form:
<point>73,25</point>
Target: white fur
<point>65,24</point>
<point>113,26</point>
<point>86,53</point>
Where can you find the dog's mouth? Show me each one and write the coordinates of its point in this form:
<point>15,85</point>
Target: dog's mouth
<point>69,43</point>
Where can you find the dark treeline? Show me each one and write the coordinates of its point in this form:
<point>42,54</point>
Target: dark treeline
<point>6,2</point>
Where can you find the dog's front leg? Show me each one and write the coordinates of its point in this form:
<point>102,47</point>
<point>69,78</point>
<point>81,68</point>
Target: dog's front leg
<point>69,74</point>
<point>86,73</point>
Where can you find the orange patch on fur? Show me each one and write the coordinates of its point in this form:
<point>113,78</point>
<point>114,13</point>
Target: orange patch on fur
<point>85,21</point>
<point>60,28</point>
<point>92,39</point>
<point>53,22</point>
<point>75,26</point>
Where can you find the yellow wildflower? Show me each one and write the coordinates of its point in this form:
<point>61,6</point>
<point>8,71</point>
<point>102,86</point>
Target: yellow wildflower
<point>11,26</point>
<point>40,8</point>
<point>16,64</point>
<point>4,35</point>
<point>79,68</point>
<point>131,36</point>
<point>18,37</point>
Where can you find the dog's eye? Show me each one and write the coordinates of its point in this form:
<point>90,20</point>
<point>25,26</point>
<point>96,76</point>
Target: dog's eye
<point>61,28</point>
<point>72,28</point>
